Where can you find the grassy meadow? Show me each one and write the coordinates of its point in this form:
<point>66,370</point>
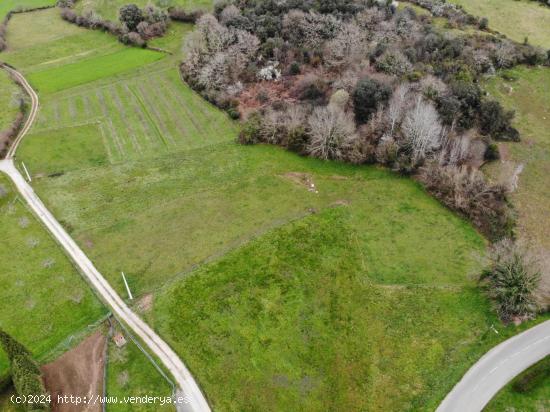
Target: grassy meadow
<point>9,96</point>
<point>75,74</point>
<point>130,373</point>
<point>517,19</point>
<point>44,298</point>
<point>302,319</point>
<point>8,5</point>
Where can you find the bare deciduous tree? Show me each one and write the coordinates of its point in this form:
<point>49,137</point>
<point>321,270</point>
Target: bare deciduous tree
<point>422,129</point>
<point>349,45</point>
<point>229,13</point>
<point>397,105</point>
<point>331,132</point>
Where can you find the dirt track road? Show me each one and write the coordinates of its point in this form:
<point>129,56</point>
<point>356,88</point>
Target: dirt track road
<point>195,400</point>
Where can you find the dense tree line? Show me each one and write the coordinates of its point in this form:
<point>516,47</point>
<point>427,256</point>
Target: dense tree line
<point>25,374</point>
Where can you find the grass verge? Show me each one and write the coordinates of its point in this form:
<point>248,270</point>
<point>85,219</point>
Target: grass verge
<point>44,298</point>
<point>528,392</point>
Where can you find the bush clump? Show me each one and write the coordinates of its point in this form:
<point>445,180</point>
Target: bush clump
<point>467,191</point>
<point>368,95</point>
<point>512,279</point>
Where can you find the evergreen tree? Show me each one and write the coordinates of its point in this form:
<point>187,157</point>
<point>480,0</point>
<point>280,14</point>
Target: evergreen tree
<point>25,372</point>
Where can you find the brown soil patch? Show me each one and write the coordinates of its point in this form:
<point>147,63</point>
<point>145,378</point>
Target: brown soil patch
<point>302,179</point>
<point>340,202</point>
<point>504,152</point>
<point>78,372</point>
<point>145,303</point>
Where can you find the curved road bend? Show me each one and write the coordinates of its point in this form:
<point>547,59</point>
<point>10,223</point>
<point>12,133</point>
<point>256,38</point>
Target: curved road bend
<point>496,368</point>
<point>188,387</point>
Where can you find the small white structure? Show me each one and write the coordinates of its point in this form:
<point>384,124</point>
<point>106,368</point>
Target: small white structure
<point>119,340</point>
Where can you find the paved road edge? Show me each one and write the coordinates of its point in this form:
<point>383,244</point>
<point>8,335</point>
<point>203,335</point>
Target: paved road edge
<point>497,368</point>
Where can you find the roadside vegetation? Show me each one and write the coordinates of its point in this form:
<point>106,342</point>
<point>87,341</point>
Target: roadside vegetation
<point>130,373</point>
<point>14,102</point>
<point>52,300</point>
<point>529,392</point>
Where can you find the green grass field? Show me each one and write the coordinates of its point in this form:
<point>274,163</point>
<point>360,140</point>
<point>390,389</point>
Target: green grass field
<point>529,96</point>
<point>516,19</point>
<point>44,298</point>
<point>41,41</point>
<point>88,70</point>
<point>302,319</point>
<point>532,396</point>
<point>108,9</point>
<point>9,97</point>
<point>7,5</point>
<point>130,373</point>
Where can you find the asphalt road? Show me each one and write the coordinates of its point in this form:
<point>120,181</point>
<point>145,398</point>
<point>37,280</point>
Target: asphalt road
<point>188,388</point>
<point>496,368</point>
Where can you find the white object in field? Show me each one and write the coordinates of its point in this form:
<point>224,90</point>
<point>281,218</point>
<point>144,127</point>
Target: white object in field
<point>26,172</point>
<point>127,287</point>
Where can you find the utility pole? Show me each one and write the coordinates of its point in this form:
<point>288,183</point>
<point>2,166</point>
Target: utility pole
<point>127,287</point>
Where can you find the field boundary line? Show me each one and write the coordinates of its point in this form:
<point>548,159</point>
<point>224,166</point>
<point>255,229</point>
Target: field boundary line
<point>148,115</point>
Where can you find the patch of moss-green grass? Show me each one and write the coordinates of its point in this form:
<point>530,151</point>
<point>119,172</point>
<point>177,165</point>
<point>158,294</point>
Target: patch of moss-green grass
<point>84,71</point>
<point>298,319</point>
<point>517,19</point>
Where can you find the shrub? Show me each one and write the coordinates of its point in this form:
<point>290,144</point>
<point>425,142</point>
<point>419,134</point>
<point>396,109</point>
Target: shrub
<point>483,23</point>
<point>465,190</point>
<point>294,68</point>
<point>312,88</point>
<point>394,63</point>
<point>340,99</point>
<point>491,153</point>
<point>234,113</point>
<point>368,95</point>
<point>251,130</point>
<point>495,121</point>
<point>130,15</point>
<point>179,14</point>
<point>298,140</point>
<point>133,39</point>
<point>512,279</point>
<point>331,132</point>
